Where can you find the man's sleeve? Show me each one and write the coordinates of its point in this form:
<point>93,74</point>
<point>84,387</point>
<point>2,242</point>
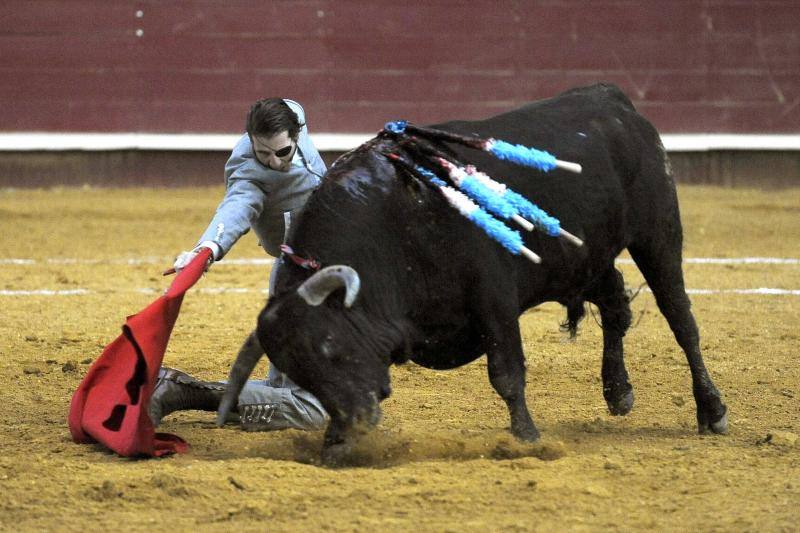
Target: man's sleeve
<point>243,203</point>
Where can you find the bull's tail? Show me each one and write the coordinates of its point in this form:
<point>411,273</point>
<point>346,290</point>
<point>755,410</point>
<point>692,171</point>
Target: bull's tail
<point>575,313</point>
<point>249,355</point>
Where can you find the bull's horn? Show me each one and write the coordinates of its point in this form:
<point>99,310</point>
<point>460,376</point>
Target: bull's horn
<point>315,289</point>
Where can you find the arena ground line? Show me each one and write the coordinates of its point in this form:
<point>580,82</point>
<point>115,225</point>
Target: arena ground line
<point>757,291</point>
<point>269,261</point>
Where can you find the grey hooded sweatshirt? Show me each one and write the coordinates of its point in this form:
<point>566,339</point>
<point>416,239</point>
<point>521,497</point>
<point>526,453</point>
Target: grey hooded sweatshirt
<point>257,197</point>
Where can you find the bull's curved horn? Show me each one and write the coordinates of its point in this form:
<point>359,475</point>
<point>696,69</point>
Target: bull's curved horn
<point>315,289</point>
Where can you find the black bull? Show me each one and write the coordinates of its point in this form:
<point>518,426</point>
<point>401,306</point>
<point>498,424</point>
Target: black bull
<point>436,290</point>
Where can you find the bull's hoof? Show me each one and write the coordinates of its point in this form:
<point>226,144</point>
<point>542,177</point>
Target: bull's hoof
<point>720,427</point>
<point>336,455</point>
<point>526,434</point>
<point>622,405</point>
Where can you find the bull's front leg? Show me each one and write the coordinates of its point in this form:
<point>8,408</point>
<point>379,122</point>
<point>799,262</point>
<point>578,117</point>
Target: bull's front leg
<point>507,375</point>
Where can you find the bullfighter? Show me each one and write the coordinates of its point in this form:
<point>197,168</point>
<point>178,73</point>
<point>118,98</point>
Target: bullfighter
<point>272,170</point>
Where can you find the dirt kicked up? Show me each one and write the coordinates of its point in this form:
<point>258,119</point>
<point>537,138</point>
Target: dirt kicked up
<point>75,262</point>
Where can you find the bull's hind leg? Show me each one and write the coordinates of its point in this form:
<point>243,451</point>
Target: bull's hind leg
<point>615,313</point>
<point>661,267</point>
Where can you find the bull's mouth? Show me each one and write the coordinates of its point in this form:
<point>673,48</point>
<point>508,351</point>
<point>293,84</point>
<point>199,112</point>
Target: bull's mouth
<point>371,415</point>
<point>345,431</point>
<point>362,421</point>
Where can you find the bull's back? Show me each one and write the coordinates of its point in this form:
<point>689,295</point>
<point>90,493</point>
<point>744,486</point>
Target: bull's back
<point>607,204</point>
<point>595,125</point>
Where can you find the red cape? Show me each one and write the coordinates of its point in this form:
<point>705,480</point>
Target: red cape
<point>111,404</point>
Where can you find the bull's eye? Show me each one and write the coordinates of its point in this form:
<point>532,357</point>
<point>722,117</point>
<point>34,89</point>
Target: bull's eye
<point>326,347</point>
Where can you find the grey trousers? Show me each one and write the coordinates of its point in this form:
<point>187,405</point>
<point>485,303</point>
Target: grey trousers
<point>277,402</point>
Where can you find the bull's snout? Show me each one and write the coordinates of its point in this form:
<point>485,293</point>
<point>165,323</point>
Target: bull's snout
<point>344,431</point>
<point>371,415</point>
<point>364,416</point>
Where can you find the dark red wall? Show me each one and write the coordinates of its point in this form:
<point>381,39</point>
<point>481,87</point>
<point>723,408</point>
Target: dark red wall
<point>689,65</point>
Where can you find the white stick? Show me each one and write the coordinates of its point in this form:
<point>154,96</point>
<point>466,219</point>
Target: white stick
<point>530,255</point>
<point>570,237</point>
<point>527,226</point>
<point>566,165</point>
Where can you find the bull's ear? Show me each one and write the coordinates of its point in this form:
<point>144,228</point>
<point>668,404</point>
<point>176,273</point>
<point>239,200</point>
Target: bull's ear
<point>274,304</point>
<point>271,312</point>
<point>318,287</point>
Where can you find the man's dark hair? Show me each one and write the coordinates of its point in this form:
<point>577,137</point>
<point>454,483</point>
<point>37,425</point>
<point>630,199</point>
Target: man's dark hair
<point>270,116</point>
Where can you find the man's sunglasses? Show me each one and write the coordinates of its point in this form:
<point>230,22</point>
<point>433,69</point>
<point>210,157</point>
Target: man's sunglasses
<point>283,152</point>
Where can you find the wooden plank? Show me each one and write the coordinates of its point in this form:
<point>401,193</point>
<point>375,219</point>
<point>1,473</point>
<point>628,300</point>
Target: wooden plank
<point>459,52</point>
<point>210,116</point>
<point>48,17</point>
<point>276,18</point>
<point>415,86</point>
<point>744,52</point>
<point>664,86</point>
<point>70,51</point>
<point>245,86</point>
<point>669,117</point>
<point>124,115</point>
<point>624,19</point>
<point>371,116</point>
<point>444,19</point>
<point>752,87</point>
<point>600,52</point>
<point>693,117</point>
<point>158,86</point>
<point>103,51</point>
<point>776,18</point>
<point>711,87</point>
<point>67,115</point>
<point>231,54</point>
<point>90,85</point>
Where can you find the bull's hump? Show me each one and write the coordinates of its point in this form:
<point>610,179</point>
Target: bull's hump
<point>363,174</point>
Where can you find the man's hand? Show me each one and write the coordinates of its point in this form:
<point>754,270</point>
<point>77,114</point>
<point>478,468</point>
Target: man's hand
<point>184,258</point>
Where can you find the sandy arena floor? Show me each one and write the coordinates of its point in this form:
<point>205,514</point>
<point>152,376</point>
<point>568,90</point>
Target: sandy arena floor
<point>442,459</point>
